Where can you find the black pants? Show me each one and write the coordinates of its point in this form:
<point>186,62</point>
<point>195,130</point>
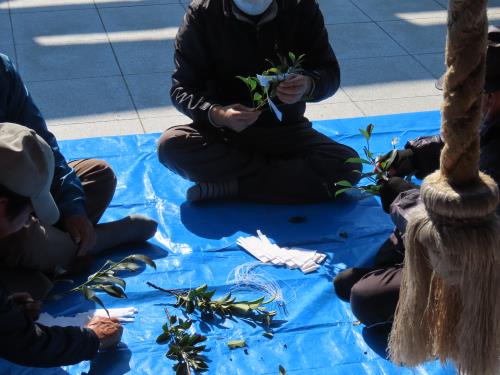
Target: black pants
<point>374,298</point>
<point>292,163</point>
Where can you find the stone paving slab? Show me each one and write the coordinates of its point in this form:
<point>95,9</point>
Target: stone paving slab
<point>360,40</point>
<point>58,27</point>
<point>5,29</point>
<point>84,100</point>
<point>104,66</point>
<point>39,63</point>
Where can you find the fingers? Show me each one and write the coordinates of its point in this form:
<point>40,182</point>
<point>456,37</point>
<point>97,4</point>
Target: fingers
<point>88,240</point>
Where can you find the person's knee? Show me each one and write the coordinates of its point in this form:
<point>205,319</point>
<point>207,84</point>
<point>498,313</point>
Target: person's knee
<point>103,173</point>
<point>171,145</point>
<point>364,303</point>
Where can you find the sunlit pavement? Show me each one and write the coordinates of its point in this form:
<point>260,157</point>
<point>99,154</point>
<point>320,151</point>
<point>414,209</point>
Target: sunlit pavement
<point>102,67</point>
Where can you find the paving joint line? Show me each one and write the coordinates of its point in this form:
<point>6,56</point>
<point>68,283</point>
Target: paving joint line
<point>120,68</point>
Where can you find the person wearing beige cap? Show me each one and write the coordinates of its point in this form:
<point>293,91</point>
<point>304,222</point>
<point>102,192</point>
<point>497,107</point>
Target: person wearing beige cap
<point>82,190</point>
<point>27,165</point>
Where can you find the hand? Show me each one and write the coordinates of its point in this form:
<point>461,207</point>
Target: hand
<point>236,117</point>
<point>109,331</point>
<point>82,232</point>
<point>402,165</point>
<point>26,303</point>
<point>390,189</point>
<point>293,89</point>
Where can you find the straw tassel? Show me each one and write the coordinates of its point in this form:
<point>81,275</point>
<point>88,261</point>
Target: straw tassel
<point>449,305</point>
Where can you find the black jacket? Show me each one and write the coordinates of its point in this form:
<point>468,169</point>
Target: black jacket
<point>214,45</point>
<point>30,344</point>
<point>427,151</point>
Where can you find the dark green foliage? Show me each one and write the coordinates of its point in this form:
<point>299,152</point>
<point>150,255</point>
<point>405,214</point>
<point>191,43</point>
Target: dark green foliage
<point>105,280</point>
<point>379,164</point>
<point>201,299</point>
<point>183,347</point>
<point>286,65</point>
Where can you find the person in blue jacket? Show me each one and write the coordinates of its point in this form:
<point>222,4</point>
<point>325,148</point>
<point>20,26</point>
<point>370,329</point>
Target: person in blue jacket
<point>27,165</point>
<point>82,190</point>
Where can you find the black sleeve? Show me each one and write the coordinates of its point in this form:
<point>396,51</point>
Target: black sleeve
<point>320,61</point>
<point>30,344</point>
<point>426,154</point>
<point>188,92</point>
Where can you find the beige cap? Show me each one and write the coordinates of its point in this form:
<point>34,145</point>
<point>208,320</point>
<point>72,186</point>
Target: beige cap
<point>27,168</point>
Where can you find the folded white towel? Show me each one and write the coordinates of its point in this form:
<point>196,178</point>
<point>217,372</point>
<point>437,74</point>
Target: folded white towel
<point>267,252</point>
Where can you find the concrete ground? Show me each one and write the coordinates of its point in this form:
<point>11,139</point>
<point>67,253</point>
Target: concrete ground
<point>102,67</point>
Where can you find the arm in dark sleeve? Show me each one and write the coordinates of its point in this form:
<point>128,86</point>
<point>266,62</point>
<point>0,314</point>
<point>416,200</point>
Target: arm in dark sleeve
<point>189,93</point>
<point>426,154</point>
<point>21,109</point>
<point>30,344</point>
<point>320,61</point>
<point>402,206</point>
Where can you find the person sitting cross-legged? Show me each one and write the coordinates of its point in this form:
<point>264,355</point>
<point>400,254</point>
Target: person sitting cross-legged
<point>233,150</point>
<point>82,190</point>
<point>27,165</point>
<point>374,292</point>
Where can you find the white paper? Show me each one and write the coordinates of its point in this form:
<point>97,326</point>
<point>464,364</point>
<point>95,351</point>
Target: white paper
<point>264,250</point>
<point>124,315</point>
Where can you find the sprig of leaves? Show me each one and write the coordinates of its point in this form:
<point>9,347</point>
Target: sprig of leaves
<point>287,65</point>
<point>105,279</point>
<point>183,347</point>
<point>380,166</point>
<point>201,299</point>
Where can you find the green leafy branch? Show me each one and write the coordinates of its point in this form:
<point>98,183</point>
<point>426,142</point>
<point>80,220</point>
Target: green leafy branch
<point>260,93</point>
<point>201,299</point>
<point>105,279</point>
<point>184,347</point>
<point>380,166</point>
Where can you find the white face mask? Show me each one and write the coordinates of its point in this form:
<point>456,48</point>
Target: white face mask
<point>253,7</point>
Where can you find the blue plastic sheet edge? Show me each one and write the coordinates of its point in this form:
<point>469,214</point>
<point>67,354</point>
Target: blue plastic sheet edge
<point>196,244</point>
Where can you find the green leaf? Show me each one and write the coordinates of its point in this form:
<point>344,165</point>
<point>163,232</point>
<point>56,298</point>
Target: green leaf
<point>365,134</point>
<point>236,344</point>
<point>163,338</point>
<point>386,164</point>
<point>282,370</point>
<point>143,258</point>
<point>112,290</point>
<point>291,55</point>
<point>110,280</point>
<point>271,71</point>
<point>344,183</point>
<point>341,191</point>
<point>257,97</point>
<point>369,129</point>
<point>127,266</point>
<point>90,295</point>
<point>358,161</point>
<point>269,335</point>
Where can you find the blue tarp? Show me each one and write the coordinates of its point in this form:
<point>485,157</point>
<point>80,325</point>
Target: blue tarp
<point>195,244</point>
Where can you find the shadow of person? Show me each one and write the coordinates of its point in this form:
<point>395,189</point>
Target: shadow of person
<point>111,362</point>
<point>284,223</point>
<point>377,338</point>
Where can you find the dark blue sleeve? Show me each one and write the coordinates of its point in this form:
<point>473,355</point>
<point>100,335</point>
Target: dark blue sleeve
<point>17,105</point>
<point>30,344</point>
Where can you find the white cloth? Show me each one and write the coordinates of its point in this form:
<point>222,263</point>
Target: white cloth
<point>124,315</point>
<point>265,251</point>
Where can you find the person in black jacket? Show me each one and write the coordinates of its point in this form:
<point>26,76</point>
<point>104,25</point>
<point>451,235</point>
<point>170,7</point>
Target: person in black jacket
<point>232,150</point>
<point>374,292</point>
<point>27,165</point>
